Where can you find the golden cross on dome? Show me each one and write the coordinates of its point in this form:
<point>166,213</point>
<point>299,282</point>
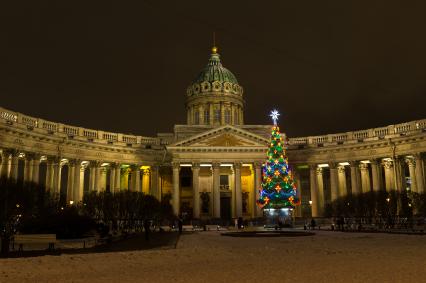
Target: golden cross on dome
<point>214,48</point>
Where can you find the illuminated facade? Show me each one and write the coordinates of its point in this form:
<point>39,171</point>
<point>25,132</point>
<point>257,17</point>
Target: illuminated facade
<point>212,165</point>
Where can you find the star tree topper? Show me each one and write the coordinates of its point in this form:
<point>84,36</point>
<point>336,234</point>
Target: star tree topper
<point>274,115</point>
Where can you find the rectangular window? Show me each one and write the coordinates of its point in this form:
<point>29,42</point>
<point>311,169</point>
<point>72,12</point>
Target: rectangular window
<point>227,116</point>
<point>224,182</point>
<point>236,116</point>
<point>217,115</point>
<point>206,117</point>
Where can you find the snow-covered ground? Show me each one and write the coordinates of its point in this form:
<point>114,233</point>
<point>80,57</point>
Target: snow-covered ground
<point>209,257</point>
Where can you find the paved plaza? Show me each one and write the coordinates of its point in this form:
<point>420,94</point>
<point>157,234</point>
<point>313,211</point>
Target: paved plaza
<point>210,257</point>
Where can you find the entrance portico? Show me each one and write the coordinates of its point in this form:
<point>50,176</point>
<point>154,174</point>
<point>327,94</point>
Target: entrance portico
<point>225,163</point>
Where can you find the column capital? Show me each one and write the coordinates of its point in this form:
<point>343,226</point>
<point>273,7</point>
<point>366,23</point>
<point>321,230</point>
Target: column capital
<point>341,169</point>
<point>410,162</point>
<point>417,156</point>
<point>257,164</point>
<point>115,165</point>
<point>95,163</point>
<point>387,163</point>
<point>363,166</point>
<point>216,165</point>
<point>319,170</point>
<point>237,165</point>
<point>354,163</point>
<point>195,165</point>
<point>135,167</point>
<point>8,151</point>
<point>176,165</point>
<point>333,165</point>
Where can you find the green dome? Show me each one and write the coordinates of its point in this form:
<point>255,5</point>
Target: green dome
<point>214,71</point>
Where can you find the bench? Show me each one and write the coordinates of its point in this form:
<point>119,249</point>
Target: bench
<point>187,228</point>
<point>165,228</point>
<point>214,228</point>
<point>49,239</point>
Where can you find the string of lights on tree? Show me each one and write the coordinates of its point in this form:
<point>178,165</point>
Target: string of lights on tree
<point>278,187</point>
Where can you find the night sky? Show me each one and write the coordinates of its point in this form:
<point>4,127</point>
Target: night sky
<point>328,66</point>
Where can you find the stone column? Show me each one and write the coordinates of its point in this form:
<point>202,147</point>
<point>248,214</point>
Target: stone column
<point>389,175</point>
<point>97,181</point>
<point>420,179</point>
<point>216,190</point>
<point>5,164</point>
<point>222,114</point>
<point>14,166</point>
<point>365,177</point>
<point>36,169</point>
<point>241,120</point>
<point>176,188</point>
<point>92,168</point>
<point>136,178</point>
<point>320,187</point>
<point>28,168</point>
<point>154,189</point>
<point>399,171</point>
<point>49,174</point>
<point>341,174</point>
<point>145,180</point>
<point>196,189</point>
<point>257,187</point>
<point>334,181</point>
<point>117,178</point>
<point>412,169</point>
<point>77,191</point>
<point>314,190</point>
<point>297,182</point>
<point>238,192</point>
<point>111,177</point>
<point>375,175</point>
<point>211,114</point>
<point>201,116</point>
<point>56,183</point>
<point>70,182</point>
<point>355,184</point>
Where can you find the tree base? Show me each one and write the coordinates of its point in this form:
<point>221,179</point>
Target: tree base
<point>278,217</point>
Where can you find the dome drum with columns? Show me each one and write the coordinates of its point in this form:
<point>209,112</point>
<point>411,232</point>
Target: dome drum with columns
<point>215,97</point>
<point>212,165</point>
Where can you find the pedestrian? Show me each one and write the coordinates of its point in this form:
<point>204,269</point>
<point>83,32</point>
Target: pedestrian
<point>180,224</point>
<point>313,224</point>
<point>146,226</point>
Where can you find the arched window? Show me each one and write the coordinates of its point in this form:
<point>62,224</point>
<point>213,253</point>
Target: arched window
<point>196,117</point>
<point>227,116</point>
<point>217,115</point>
<point>206,117</point>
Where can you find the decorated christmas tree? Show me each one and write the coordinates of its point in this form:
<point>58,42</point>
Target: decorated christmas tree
<point>278,187</point>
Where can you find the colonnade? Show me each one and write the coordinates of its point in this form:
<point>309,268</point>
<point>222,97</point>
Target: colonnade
<point>215,113</point>
<point>235,190</point>
<point>365,176</point>
<point>102,176</point>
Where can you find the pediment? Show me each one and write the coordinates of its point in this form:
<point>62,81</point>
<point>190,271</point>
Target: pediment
<point>226,136</point>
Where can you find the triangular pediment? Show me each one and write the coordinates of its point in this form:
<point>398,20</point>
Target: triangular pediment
<point>226,136</point>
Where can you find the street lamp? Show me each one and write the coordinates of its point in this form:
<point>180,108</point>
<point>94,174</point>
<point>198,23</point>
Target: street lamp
<point>388,200</point>
<point>310,202</point>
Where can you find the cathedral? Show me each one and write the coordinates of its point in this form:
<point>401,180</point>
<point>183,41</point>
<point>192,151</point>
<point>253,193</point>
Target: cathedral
<point>211,166</point>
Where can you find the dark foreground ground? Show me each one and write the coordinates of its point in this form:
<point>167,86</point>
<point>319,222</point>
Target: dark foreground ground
<point>131,243</point>
<point>210,257</point>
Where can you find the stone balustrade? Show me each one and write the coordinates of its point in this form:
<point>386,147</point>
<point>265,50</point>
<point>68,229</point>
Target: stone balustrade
<point>391,131</point>
<point>47,127</point>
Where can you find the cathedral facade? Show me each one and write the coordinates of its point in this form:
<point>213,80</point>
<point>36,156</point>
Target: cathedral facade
<point>211,166</point>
